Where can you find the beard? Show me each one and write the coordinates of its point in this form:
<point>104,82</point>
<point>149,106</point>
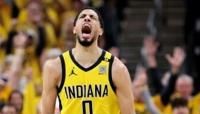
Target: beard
<point>85,43</point>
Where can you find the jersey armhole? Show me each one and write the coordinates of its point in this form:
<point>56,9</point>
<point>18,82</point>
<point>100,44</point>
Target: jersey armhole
<point>110,74</point>
<point>59,88</point>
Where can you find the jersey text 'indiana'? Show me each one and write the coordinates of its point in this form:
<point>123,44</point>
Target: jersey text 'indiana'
<point>86,91</point>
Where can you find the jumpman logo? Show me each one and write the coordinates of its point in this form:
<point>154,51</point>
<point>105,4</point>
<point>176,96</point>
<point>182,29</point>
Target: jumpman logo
<point>72,72</point>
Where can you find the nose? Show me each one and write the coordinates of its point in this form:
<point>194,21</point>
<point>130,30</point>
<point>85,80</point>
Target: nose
<point>87,19</point>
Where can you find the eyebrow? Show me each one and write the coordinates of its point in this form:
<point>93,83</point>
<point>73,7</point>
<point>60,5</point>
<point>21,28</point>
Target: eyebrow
<point>82,15</point>
<point>93,16</point>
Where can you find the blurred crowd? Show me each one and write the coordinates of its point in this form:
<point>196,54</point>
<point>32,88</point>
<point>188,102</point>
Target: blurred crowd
<point>32,31</point>
<point>175,90</point>
<point>164,92</point>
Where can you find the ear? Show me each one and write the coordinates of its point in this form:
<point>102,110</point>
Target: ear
<point>101,32</point>
<point>74,30</point>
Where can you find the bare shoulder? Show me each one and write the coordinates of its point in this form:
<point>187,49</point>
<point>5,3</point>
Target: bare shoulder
<point>52,69</point>
<point>52,64</point>
<point>118,66</point>
<point>120,74</point>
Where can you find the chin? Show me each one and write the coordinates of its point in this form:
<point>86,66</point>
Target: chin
<point>86,42</point>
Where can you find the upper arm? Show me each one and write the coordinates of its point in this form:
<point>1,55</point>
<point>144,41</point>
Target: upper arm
<point>122,82</point>
<point>51,78</point>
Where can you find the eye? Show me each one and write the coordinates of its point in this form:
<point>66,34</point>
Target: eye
<point>82,16</point>
<point>93,17</point>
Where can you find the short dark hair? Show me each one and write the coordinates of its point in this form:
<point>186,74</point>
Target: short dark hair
<point>179,102</point>
<point>95,10</point>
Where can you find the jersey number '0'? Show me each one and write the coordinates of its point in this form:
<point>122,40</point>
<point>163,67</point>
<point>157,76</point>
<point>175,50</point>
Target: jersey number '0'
<point>87,106</point>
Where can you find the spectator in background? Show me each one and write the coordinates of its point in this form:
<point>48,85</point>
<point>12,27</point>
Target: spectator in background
<point>179,106</point>
<point>149,51</point>
<point>33,89</point>
<point>142,98</point>
<point>182,86</point>
<point>9,109</point>
<point>149,54</point>
<point>168,81</point>
<point>176,61</point>
<point>27,56</point>
<point>33,19</point>
<point>16,99</point>
<point>24,55</point>
<point>14,62</point>
<point>178,86</point>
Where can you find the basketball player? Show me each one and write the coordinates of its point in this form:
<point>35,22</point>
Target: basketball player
<point>87,79</point>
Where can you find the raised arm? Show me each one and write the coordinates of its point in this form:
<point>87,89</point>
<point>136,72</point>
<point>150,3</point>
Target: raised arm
<point>122,81</point>
<point>148,101</point>
<point>51,78</point>
<point>19,42</point>
<point>175,61</point>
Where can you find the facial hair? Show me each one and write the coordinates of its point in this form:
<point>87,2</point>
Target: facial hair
<point>85,43</point>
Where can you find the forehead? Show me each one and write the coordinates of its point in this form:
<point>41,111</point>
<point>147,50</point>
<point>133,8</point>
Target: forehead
<point>88,12</point>
<point>16,95</point>
<point>34,6</point>
<point>184,81</point>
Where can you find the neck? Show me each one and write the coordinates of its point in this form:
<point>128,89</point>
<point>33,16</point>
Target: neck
<point>86,55</point>
<point>91,49</point>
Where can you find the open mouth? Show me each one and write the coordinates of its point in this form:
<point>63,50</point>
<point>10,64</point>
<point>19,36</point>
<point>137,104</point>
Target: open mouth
<point>86,29</point>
